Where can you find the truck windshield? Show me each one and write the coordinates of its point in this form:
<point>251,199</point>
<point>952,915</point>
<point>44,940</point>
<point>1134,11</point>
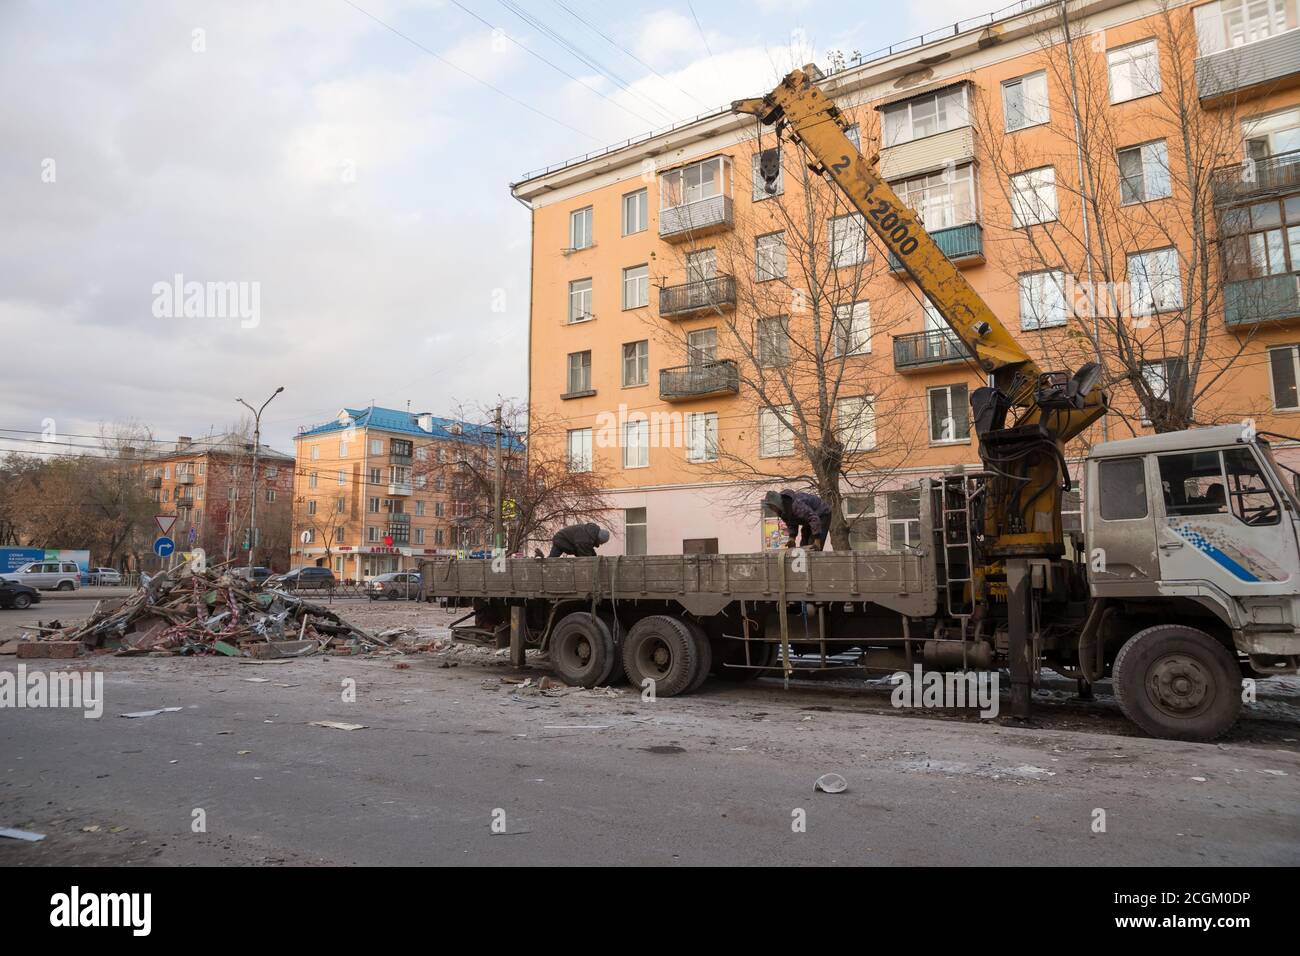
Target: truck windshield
<point>1281,472</point>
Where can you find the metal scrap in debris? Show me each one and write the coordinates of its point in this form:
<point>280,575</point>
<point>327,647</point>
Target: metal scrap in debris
<point>337,725</point>
<point>152,713</point>
<point>26,835</point>
<point>831,783</point>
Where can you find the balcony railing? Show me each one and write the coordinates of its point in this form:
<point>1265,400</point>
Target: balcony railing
<point>184,479</point>
<point>695,218</point>
<point>1250,65</point>
<point>184,501</point>
<point>153,481</point>
<point>1253,178</point>
<point>964,243</point>
<point>1269,299</point>
<point>398,458</point>
<point>923,349</point>
<point>715,294</point>
<point>399,488</point>
<point>699,381</point>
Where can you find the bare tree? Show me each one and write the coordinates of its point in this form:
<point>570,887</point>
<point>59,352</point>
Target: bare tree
<point>1114,220</point>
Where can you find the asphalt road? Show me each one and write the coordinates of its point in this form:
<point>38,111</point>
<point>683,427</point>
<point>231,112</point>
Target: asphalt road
<point>718,777</point>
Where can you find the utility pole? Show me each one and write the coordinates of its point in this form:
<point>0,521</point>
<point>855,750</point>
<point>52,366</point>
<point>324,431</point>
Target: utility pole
<point>257,447</point>
<point>498,539</point>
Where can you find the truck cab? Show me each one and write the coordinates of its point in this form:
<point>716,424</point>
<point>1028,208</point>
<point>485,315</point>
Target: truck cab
<point>1199,527</point>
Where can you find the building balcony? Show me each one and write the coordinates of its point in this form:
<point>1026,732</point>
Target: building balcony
<point>184,479</point>
<point>927,154</point>
<point>153,481</point>
<point>1256,178</point>
<point>920,350</point>
<point>397,458</point>
<point>1252,302</point>
<point>715,294</point>
<point>705,379</point>
<point>963,245</point>
<point>695,219</point>
<point>399,488</point>
<point>1262,64</point>
<point>184,501</point>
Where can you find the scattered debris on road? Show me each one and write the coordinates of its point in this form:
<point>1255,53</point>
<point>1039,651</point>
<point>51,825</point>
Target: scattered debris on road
<point>152,713</point>
<point>831,783</point>
<point>26,835</point>
<point>337,725</point>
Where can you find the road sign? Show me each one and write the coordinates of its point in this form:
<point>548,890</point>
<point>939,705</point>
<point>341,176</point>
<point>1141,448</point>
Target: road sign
<point>388,540</point>
<point>193,535</point>
<point>164,523</point>
<point>164,546</point>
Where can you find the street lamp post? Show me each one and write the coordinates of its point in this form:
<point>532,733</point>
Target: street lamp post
<point>257,447</point>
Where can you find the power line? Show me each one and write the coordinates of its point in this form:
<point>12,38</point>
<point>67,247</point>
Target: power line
<point>477,79</point>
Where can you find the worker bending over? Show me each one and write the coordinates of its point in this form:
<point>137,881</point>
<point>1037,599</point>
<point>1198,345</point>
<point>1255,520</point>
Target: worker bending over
<point>579,540</point>
<point>806,516</point>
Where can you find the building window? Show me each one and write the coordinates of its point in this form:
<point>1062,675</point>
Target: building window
<point>311,480</point>
<point>854,135</point>
<point>1167,381</point>
<point>848,240</point>
<point>372,534</point>
<point>760,185</point>
<point>1042,299</point>
<point>1232,23</point>
<point>343,478</point>
<point>372,505</point>
<point>580,449</point>
<point>419,509</point>
<point>636,444</point>
<point>580,228</point>
<point>636,287</point>
<point>775,439</point>
<point>702,436</point>
<point>1033,197</point>
<point>438,536</point>
<point>580,301</point>
<point>634,531</point>
<point>270,495</point>
<point>702,346</point>
<point>941,199</point>
<point>774,341</point>
<point>925,116</point>
<point>311,507</point>
<point>1284,363</point>
<point>1154,282</point>
<point>636,363</point>
<point>769,257</point>
<point>856,424</point>
<point>949,414</point>
<point>315,452</point>
<point>340,505</point>
<point>851,333</point>
<point>1272,134</point>
<point>439,509</point>
<point>1263,239</point>
<point>375,477</point>
<point>579,372</point>
<point>343,449</point>
<point>860,517</point>
<point>636,212</point>
<point>903,509</point>
<point>1024,101</point>
<point>311,535</point>
<point>693,183</point>
<point>422,453</point>
<point>1144,172</point>
<point>1134,71</point>
<point>419,536</point>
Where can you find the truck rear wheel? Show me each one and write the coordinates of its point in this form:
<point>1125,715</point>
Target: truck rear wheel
<point>761,654</point>
<point>580,649</point>
<point>1177,682</point>
<point>703,655</point>
<point>614,675</point>
<point>660,648</point>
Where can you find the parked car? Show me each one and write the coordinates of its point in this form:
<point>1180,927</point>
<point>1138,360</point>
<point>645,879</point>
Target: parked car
<point>18,596</point>
<point>304,579</point>
<point>48,575</point>
<point>257,575</point>
<point>104,576</point>
<point>395,585</point>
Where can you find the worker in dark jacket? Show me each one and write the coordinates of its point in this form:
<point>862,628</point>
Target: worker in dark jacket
<point>579,540</point>
<point>806,517</point>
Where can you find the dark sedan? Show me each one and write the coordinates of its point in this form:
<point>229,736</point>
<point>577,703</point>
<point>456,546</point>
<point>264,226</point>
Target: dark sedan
<point>18,596</point>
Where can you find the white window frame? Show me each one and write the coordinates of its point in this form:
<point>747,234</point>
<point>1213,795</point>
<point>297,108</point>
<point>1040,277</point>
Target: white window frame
<point>1033,98</point>
<point>1165,292</point>
<point>938,197</point>
<point>1127,56</point>
<point>758,186</point>
<point>376,446</point>
<point>583,368</point>
<point>636,212</point>
<point>858,434</point>
<point>1295,373</point>
<point>898,121</point>
<point>689,184</point>
<point>1035,284</point>
<point>638,361</point>
<point>962,439</point>
<point>579,450</point>
<point>1033,197</point>
<point>851,329</point>
<point>580,301</point>
<point>1153,157</point>
<point>582,224</point>
<point>697,354</point>
<point>770,343</point>
<point>847,239</point>
<point>636,287</point>
<point>636,443</point>
<point>775,437</point>
<point>701,437</point>
<point>767,249</point>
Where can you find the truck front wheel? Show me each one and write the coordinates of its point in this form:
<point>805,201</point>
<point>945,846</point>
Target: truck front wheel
<point>1177,682</point>
<point>580,649</point>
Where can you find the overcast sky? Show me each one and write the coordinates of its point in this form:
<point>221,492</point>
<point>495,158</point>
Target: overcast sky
<point>357,183</point>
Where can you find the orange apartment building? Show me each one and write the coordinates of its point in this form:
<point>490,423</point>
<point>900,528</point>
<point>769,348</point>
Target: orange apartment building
<point>671,289</point>
<point>208,485</point>
<point>375,489</point>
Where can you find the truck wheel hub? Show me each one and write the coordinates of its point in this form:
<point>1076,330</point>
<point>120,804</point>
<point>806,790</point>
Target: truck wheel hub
<point>1179,684</point>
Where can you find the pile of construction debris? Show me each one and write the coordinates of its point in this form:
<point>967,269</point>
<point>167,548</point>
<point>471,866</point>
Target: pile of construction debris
<point>189,612</point>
